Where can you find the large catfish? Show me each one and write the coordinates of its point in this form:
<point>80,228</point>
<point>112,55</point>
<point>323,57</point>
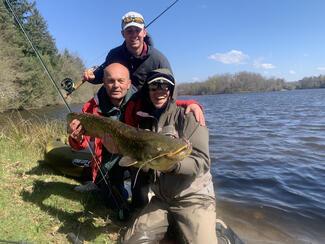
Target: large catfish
<point>140,148</point>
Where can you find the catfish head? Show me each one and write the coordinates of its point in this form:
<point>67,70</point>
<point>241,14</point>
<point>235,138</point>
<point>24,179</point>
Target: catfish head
<point>170,155</point>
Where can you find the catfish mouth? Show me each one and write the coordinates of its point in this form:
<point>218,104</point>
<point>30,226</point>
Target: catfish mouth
<point>182,152</point>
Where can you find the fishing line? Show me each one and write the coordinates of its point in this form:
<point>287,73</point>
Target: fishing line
<point>161,13</point>
<point>61,95</point>
<point>44,66</point>
<point>37,54</point>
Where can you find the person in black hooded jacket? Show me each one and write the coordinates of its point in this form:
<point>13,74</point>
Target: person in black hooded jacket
<point>184,197</point>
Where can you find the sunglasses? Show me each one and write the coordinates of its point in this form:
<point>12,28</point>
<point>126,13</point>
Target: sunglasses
<point>128,20</point>
<point>159,86</point>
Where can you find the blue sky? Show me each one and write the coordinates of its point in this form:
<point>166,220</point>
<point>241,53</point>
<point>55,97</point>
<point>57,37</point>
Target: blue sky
<point>276,38</point>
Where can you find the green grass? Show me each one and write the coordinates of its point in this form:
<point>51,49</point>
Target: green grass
<point>37,204</point>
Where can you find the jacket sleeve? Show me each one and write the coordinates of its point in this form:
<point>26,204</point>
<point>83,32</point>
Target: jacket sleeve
<point>79,145</point>
<point>132,107</point>
<point>185,103</point>
<point>164,63</point>
<point>198,162</point>
<point>161,59</point>
<point>129,117</point>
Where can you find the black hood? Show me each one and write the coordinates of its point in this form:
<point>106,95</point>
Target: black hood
<point>144,92</point>
<point>164,73</point>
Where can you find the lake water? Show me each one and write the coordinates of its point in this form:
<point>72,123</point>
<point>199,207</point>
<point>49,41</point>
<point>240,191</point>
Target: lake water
<point>268,163</point>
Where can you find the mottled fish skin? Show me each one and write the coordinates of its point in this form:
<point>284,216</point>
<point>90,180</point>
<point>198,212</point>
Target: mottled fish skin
<point>144,148</point>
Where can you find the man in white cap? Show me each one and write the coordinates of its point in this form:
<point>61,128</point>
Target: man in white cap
<point>136,53</point>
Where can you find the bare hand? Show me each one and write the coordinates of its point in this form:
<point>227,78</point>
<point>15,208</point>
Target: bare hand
<point>88,75</point>
<point>197,111</point>
<point>76,130</point>
<point>109,144</point>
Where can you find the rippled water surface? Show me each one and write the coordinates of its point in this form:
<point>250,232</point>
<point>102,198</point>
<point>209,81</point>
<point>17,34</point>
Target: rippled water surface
<point>268,162</point>
<point>268,157</point>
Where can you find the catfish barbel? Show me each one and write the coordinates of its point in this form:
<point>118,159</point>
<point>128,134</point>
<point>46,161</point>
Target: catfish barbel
<point>140,148</point>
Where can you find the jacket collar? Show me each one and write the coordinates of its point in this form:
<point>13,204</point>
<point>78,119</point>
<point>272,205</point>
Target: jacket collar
<point>158,117</point>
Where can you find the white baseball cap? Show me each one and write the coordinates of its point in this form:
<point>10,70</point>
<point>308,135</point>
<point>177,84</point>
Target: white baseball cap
<point>132,19</point>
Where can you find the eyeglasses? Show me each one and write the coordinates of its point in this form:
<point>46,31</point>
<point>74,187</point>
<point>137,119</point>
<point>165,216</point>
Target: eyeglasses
<point>128,20</point>
<point>159,86</point>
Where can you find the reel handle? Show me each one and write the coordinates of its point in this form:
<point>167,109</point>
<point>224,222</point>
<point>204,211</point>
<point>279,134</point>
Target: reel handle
<point>69,86</point>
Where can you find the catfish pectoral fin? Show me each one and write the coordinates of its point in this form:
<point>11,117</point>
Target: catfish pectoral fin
<point>127,161</point>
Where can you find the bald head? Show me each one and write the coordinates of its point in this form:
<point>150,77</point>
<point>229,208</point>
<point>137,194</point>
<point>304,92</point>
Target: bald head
<point>116,69</point>
<point>117,82</point>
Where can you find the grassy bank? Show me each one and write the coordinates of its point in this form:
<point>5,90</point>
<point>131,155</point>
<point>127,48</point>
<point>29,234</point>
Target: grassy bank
<point>37,204</point>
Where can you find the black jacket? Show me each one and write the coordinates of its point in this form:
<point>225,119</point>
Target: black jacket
<point>139,67</point>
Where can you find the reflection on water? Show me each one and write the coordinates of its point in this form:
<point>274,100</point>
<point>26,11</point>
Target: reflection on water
<point>268,162</point>
<point>268,157</point>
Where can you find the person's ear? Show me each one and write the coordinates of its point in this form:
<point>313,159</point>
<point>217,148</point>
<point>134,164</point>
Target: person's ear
<point>122,33</point>
<point>145,32</point>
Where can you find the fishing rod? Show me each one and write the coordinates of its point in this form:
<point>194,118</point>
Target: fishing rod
<point>69,86</point>
<point>37,54</point>
<point>63,98</point>
<point>152,21</point>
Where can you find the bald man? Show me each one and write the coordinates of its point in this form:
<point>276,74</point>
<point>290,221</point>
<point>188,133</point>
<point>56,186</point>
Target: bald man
<point>108,102</point>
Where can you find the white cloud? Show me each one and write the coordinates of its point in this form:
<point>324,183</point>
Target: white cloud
<point>292,72</point>
<point>258,64</point>
<point>321,68</point>
<point>231,57</point>
<point>267,66</point>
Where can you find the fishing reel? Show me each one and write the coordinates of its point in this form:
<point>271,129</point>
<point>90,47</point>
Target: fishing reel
<point>68,85</point>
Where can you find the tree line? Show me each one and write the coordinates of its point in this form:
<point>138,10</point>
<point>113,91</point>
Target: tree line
<point>311,82</point>
<point>247,82</point>
<point>23,82</point>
